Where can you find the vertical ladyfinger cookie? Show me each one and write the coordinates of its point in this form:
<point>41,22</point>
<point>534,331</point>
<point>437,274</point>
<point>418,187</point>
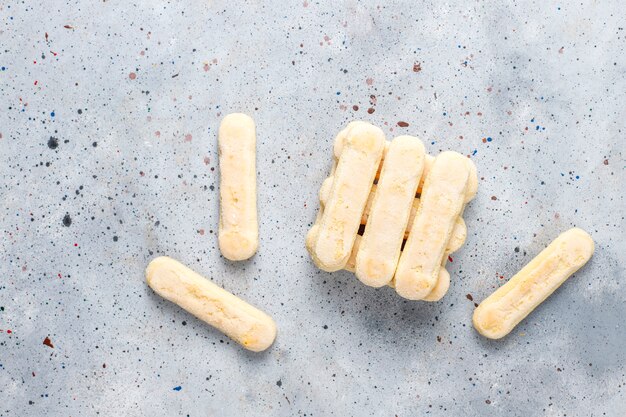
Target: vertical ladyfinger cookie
<point>353,179</point>
<point>240,321</point>
<point>238,228</point>
<point>499,313</point>
<point>379,250</point>
<point>442,201</point>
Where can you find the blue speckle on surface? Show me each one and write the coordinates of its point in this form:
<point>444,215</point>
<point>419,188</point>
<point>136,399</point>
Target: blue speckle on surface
<point>4,68</point>
<point>338,93</point>
<point>52,114</point>
<point>475,152</point>
<point>178,388</point>
<point>489,139</point>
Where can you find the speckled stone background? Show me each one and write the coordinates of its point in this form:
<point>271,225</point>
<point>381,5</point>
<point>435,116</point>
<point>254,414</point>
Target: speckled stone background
<point>108,121</point>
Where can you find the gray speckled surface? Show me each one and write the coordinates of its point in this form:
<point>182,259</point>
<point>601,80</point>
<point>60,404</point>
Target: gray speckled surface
<point>132,93</point>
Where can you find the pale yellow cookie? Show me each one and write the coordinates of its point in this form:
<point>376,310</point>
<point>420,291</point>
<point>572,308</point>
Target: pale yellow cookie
<point>334,234</point>
<point>238,234</point>
<point>240,321</point>
<point>499,313</point>
<point>391,206</point>
<point>441,203</point>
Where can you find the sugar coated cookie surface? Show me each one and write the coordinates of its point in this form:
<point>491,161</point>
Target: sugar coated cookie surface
<point>245,324</point>
<point>499,313</point>
<point>238,229</point>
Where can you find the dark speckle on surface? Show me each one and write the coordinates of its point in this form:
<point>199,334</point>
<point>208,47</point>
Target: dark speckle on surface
<point>48,342</point>
<point>53,142</point>
<point>67,220</point>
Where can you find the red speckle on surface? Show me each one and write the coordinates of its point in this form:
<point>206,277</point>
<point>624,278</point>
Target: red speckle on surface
<point>201,232</point>
<point>417,67</point>
<point>206,67</point>
<point>484,140</point>
<point>403,124</point>
<point>9,331</point>
<point>370,110</point>
<point>450,258</point>
<point>24,268</point>
<point>327,39</point>
<point>48,342</point>
<point>355,108</point>
<point>141,173</point>
<point>479,114</point>
<point>46,36</point>
<point>561,49</point>
<point>369,81</point>
<point>54,53</point>
<point>142,53</point>
<point>36,82</point>
<point>207,160</point>
<point>132,75</point>
<point>489,89</point>
<point>606,161</point>
<point>157,133</point>
<point>75,244</point>
<point>494,198</point>
<point>60,276</point>
<point>68,27</point>
<point>188,137</point>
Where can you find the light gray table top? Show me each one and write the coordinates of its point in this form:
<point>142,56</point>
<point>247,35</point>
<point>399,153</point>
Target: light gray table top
<point>109,118</point>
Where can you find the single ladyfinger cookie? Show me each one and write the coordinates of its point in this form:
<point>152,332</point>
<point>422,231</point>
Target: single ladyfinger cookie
<point>441,203</point>
<point>245,324</point>
<point>379,250</point>
<point>238,228</point>
<point>334,234</point>
<point>499,313</point>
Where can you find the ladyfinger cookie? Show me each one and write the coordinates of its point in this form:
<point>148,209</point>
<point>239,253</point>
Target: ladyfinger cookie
<point>499,313</point>
<point>379,250</point>
<point>245,324</point>
<point>441,203</point>
<point>353,178</point>
<point>238,229</point>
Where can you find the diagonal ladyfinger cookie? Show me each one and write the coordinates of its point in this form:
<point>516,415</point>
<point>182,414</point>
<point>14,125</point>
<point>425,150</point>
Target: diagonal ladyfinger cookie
<point>247,325</point>
<point>332,241</point>
<point>441,203</point>
<point>379,250</point>
<point>499,313</point>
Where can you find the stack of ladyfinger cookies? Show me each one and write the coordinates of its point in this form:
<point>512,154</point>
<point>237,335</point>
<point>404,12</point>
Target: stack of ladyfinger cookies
<point>392,213</point>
